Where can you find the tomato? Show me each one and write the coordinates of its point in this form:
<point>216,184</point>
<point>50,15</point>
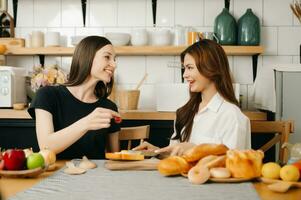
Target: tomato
<point>118,120</point>
<point>298,165</point>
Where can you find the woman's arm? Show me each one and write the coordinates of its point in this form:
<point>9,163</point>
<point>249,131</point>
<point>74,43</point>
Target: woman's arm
<point>60,140</point>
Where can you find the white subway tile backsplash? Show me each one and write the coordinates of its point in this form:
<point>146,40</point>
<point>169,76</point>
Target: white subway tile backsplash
<point>147,99</point>
<point>53,60</point>
<point>25,8</point>
<point>131,13</point>
<point>86,31</point>
<point>212,8</point>
<point>277,13</point>
<point>272,60</point>
<point>231,65</point>
<point>297,59</point>
<point>47,13</point>
<point>269,40</point>
<point>189,12</point>
<point>178,73</point>
<point>250,105</point>
<point>242,71</point>
<point>165,13</point>
<point>289,40</point>
<point>66,64</point>
<point>158,71</point>
<point>72,13</point>
<point>103,13</point>
<point>130,69</point>
<point>240,7</point>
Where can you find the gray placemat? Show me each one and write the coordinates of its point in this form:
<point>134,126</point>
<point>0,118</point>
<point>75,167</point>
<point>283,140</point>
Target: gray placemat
<point>101,183</point>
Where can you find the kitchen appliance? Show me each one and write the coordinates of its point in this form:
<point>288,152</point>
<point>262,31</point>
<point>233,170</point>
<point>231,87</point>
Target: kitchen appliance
<point>171,96</point>
<point>12,86</point>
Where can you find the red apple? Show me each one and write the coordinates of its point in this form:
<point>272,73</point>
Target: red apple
<point>14,159</point>
<point>1,161</point>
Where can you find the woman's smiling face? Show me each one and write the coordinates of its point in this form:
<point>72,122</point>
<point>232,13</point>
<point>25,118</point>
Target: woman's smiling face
<point>197,82</point>
<point>104,64</point>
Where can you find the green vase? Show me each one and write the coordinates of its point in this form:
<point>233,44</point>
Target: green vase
<point>225,28</point>
<point>248,29</point>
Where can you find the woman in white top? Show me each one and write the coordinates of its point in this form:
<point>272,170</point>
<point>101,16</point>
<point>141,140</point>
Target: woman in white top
<point>212,114</point>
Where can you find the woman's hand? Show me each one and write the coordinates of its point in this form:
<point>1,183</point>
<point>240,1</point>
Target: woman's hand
<point>146,146</point>
<point>98,119</point>
<point>176,149</point>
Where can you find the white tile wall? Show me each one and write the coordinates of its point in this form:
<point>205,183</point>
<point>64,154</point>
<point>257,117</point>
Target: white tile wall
<point>280,34</point>
<point>189,13</point>
<point>277,13</point>
<point>131,13</point>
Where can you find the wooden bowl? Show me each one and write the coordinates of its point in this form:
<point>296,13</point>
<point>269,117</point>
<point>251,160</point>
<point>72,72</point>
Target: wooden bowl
<point>30,173</point>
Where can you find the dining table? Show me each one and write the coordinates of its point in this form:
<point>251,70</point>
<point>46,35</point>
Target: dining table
<point>17,188</point>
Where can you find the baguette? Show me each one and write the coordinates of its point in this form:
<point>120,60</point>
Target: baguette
<point>200,151</point>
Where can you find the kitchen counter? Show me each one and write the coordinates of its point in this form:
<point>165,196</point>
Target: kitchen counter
<point>128,115</point>
<point>10,187</point>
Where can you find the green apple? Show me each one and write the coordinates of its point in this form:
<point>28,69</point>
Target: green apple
<point>35,160</point>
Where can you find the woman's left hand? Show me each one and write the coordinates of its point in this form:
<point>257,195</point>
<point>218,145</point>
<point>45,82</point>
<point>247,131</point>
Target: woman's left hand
<point>176,149</point>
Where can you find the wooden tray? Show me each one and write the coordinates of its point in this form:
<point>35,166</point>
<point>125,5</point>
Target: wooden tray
<point>230,180</point>
<point>147,164</point>
<point>30,173</point>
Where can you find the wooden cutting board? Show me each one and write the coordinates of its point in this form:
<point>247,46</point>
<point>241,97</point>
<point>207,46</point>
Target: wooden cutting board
<point>12,42</point>
<point>147,164</point>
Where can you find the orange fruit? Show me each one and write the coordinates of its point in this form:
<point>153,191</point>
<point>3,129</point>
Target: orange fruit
<point>2,49</point>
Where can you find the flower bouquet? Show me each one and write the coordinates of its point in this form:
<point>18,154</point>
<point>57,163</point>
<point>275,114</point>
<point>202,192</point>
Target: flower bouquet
<point>43,76</point>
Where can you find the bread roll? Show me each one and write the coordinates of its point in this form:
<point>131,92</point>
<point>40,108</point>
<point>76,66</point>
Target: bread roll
<point>173,165</point>
<point>244,163</point>
<point>202,150</point>
<point>212,161</point>
<point>198,175</point>
<point>220,172</point>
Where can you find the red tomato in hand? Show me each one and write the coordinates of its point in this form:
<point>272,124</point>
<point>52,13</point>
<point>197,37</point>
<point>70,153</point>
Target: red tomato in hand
<point>118,120</point>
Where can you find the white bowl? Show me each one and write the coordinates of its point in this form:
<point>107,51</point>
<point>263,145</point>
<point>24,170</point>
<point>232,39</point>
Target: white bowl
<point>160,37</point>
<point>118,39</point>
<point>76,39</point>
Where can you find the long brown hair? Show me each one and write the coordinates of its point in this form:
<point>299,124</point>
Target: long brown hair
<point>211,61</point>
<point>81,65</point>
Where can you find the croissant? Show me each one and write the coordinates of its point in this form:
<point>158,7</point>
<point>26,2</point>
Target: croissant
<point>173,165</point>
<point>196,153</point>
<point>244,163</point>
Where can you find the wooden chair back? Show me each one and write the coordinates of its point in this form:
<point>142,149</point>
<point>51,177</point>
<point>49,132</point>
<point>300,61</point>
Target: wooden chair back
<point>134,133</point>
<point>281,131</point>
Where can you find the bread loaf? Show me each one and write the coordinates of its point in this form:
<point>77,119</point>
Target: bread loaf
<point>173,165</point>
<point>244,163</point>
<point>196,153</point>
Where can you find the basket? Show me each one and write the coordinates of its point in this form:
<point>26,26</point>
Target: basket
<point>128,99</point>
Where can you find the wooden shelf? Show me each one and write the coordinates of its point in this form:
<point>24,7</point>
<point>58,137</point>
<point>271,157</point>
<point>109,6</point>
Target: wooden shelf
<point>133,50</point>
<point>129,115</point>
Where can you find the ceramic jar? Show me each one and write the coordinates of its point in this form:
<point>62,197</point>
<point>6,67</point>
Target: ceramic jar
<point>139,37</point>
<point>248,29</point>
<point>225,28</point>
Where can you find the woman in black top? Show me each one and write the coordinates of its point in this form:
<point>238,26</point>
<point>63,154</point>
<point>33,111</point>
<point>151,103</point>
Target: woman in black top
<point>75,119</point>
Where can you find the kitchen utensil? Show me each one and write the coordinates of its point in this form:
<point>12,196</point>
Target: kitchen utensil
<point>141,82</point>
<point>128,99</point>
<point>192,37</point>
<point>147,164</point>
<point>279,185</point>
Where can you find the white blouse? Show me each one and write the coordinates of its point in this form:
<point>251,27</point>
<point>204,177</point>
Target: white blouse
<point>221,122</point>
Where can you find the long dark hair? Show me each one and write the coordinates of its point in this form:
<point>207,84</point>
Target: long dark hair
<point>212,62</point>
<point>81,65</point>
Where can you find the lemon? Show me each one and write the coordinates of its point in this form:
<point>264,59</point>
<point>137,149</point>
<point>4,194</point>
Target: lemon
<point>271,170</point>
<point>289,173</point>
